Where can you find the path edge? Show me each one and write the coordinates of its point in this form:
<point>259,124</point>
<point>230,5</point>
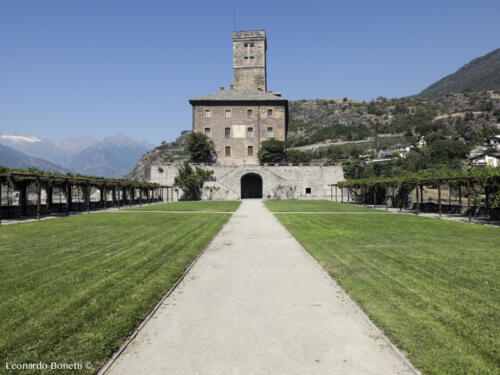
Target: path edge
<point>394,348</point>
<point>103,370</point>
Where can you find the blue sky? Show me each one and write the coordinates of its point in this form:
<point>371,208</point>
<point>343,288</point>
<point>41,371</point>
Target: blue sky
<point>72,68</point>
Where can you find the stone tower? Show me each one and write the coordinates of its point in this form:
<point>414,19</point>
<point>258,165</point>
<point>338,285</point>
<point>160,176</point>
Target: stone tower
<point>249,60</point>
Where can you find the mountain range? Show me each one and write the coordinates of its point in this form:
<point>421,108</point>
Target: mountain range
<point>482,73</point>
<point>463,103</point>
<point>113,156</point>
<point>14,159</point>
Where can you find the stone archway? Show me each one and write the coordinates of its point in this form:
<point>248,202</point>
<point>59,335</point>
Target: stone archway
<point>251,186</point>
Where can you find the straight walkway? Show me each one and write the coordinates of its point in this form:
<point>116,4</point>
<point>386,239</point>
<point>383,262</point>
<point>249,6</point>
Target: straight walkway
<point>257,303</point>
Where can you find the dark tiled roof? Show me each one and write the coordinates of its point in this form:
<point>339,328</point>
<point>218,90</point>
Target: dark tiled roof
<point>236,95</point>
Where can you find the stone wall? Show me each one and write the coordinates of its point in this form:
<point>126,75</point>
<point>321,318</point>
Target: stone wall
<point>283,182</point>
<point>238,125</point>
<point>249,66</point>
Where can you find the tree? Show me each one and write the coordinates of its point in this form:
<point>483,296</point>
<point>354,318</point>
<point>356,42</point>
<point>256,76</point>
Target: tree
<point>297,156</point>
<point>191,181</point>
<point>272,151</point>
<point>200,148</point>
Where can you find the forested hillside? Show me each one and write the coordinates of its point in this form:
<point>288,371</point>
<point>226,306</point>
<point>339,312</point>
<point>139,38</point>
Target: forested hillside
<point>482,73</point>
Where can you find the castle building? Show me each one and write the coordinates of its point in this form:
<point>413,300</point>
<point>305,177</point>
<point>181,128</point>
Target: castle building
<point>238,120</point>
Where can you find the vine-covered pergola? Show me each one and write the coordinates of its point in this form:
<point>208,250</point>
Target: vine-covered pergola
<point>483,186</point>
<point>73,193</point>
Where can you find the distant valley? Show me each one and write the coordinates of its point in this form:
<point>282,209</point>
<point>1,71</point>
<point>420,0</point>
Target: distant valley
<point>112,156</point>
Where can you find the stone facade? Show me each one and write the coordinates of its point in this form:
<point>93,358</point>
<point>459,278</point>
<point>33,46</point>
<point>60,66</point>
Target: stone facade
<point>283,182</point>
<point>249,60</point>
<point>239,119</point>
<point>237,138</point>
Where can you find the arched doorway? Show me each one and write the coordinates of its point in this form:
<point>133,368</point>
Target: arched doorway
<point>251,186</point>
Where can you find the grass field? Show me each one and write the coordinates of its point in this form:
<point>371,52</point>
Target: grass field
<point>314,206</point>
<point>72,289</point>
<point>431,285</point>
<point>207,206</point>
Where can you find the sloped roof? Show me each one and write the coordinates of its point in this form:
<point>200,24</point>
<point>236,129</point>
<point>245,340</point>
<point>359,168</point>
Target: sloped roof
<point>239,95</point>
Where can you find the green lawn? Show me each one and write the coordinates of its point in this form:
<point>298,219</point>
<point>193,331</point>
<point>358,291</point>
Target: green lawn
<point>431,285</point>
<point>72,289</point>
<point>219,206</point>
<point>314,206</point>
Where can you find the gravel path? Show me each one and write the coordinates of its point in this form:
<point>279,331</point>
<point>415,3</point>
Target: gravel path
<point>256,303</point>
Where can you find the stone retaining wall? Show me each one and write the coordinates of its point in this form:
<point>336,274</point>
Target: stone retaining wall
<point>283,182</point>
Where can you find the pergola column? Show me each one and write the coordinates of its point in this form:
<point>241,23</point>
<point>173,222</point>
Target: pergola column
<point>468,200</point>
<point>1,210</point>
<point>38,198</point>
<point>68,197</point>
<point>439,198</point>
<point>48,199</point>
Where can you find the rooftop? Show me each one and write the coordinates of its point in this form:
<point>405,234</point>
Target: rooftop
<point>240,95</point>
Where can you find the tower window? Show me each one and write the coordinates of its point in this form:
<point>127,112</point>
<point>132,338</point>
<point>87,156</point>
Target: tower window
<point>269,113</point>
<point>250,132</point>
<point>228,113</point>
<point>270,132</point>
<point>248,53</point>
<point>207,132</point>
<point>227,151</point>
<point>250,151</point>
<point>208,114</point>
<point>227,133</point>
<point>249,113</point>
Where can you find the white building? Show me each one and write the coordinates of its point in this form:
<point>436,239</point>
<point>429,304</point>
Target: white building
<point>486,159</point>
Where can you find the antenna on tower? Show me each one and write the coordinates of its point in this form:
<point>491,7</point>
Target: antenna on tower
<point>234,19</point>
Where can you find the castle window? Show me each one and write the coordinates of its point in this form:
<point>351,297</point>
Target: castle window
<point>228,113</point>
<point>270,132</point>
<point>227,151</point>
<point>249,113</point>
<point>250,151</point>
<point>248,52</point>
<point>227,132</point>
<point>269,113</point>
<point>250,132</point>
<point>207,113</point>
<point>207,132</point>
<point>308,191</point>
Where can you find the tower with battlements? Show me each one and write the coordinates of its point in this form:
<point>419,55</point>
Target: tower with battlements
<point>238,120</point>
<point>249,60</point>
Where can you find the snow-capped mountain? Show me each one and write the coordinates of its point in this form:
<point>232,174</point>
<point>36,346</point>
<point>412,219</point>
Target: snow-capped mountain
<point>112,157</point>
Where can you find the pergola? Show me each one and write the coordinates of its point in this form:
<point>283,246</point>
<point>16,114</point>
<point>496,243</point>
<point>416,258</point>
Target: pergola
<point>123,192</point>
<point>374,187</point>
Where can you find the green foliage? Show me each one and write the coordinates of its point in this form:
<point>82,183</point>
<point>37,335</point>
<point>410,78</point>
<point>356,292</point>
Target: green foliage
<point>400,109</point>
<point>200,148</point>
<point>191,180</point>
<point>336,131</point>
<point>48,178</point>
<point>442,151</point>
<point>297,156</point>
<point>272,151</point>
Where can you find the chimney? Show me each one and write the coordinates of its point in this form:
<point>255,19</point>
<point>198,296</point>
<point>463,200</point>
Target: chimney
<point>222,88</point>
